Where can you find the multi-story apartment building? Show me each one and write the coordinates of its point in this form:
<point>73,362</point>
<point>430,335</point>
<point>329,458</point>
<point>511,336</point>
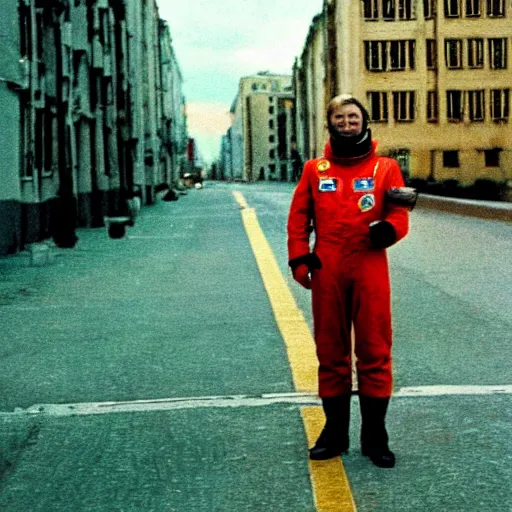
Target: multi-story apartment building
<point>259,139</point>
<point>174,119</point>
<point>309,86</point>
<point>436,76</point>
<point>88,114</point>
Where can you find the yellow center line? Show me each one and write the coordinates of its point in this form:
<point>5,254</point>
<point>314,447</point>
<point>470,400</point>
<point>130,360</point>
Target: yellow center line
<point>329,480</point>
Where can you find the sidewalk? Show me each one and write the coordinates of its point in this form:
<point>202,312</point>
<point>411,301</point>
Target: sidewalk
<point>492,210</point>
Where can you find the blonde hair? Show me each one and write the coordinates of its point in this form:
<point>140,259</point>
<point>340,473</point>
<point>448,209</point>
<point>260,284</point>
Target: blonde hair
<point>345,99</point>
<point>336,102</point>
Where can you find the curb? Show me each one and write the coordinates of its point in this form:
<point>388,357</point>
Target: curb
<point>501,211</point>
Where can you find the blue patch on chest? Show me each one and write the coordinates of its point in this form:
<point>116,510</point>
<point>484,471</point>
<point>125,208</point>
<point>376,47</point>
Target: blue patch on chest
<point>363,184</point>
<point>327,185</point>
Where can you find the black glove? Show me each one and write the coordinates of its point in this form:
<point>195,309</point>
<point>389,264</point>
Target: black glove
<point>311,260</point>
<point>382,234</point>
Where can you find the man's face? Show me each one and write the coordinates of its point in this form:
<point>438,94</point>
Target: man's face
<point>347,120</point>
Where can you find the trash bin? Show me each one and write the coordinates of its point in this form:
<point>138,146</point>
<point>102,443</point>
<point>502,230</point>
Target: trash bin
<point>116,226</point>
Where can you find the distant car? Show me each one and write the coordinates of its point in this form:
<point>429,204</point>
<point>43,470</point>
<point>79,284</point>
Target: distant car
<point>198,185</point>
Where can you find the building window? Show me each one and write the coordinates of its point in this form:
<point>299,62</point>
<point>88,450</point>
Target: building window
<point>432,107</point>
<point>431,54</point>
<point>500,104</point>
<point>25,31</point>
<point>371,9</point>
<point>452,8</point>
<point>271,124</point>
<point>26,162</point>
<point>412,53</point>
<point>475,53</point>
<point>390,55</point>
<point>401,54</point>
<point>476,105</point>
<point>429,9</point>
<point>49,136</point>
<point>271,138</point>
<point>388,10</point>
<point>403,106</point>
<point>403,157</point>
<point>455,104</point>
<point>405,10</point>
<point>453,53</point>
<point>104,31</point>
<point>270,110</point>
<point>272,154</point>
<point>498,53</point>
<point>450,159</point>
<point>375,52</point>
<point>40,31</point>
<point>378,106</point>
<point>38,143</point>
<point>397,55</point>
<point>472,8</point>
<point>492,157</point>
<point>496,8</point>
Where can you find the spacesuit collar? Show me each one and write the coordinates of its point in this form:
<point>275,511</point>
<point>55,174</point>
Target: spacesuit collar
<point>329,154</point>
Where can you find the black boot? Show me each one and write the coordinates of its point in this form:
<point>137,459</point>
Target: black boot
<point>333,440</point>
<point>374,437</point>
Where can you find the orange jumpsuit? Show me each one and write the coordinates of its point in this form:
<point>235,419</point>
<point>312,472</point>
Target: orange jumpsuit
<point>339,198</point>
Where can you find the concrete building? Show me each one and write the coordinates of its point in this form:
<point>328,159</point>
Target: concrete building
<point>14,89</point>
<point>259,139</point>
<point>224,161</point>
<point>436,77</point>
<point>174,118</point>
<point>83,83</point>
<point>235,136</point>
<point>310,75</point>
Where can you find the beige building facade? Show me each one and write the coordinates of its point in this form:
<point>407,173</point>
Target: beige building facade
<point>258,144</point>
<point>310,89</point>
<point>436,78</point>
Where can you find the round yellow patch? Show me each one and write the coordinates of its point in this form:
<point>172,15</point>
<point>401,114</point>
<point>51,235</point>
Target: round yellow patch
<point>323,165</point>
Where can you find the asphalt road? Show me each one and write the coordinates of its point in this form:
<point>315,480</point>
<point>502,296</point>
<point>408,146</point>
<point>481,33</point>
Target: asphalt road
<point>164,342</point>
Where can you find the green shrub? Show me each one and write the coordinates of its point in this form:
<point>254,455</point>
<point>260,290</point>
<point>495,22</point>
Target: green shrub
<point>489,189</point>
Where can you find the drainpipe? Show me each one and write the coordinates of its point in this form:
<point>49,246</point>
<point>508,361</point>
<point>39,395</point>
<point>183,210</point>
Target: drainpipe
<point>439,49</point>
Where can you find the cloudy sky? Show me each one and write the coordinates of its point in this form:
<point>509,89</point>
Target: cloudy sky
<point>219,42</point>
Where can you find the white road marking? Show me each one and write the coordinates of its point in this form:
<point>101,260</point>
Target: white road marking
<point>158,237</point>
<point>447,390</point>
<point>302,399</point>
<point>165,404</point>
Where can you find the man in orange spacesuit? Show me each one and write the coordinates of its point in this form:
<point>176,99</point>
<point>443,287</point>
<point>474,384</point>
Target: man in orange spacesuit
<point>356,205</point>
